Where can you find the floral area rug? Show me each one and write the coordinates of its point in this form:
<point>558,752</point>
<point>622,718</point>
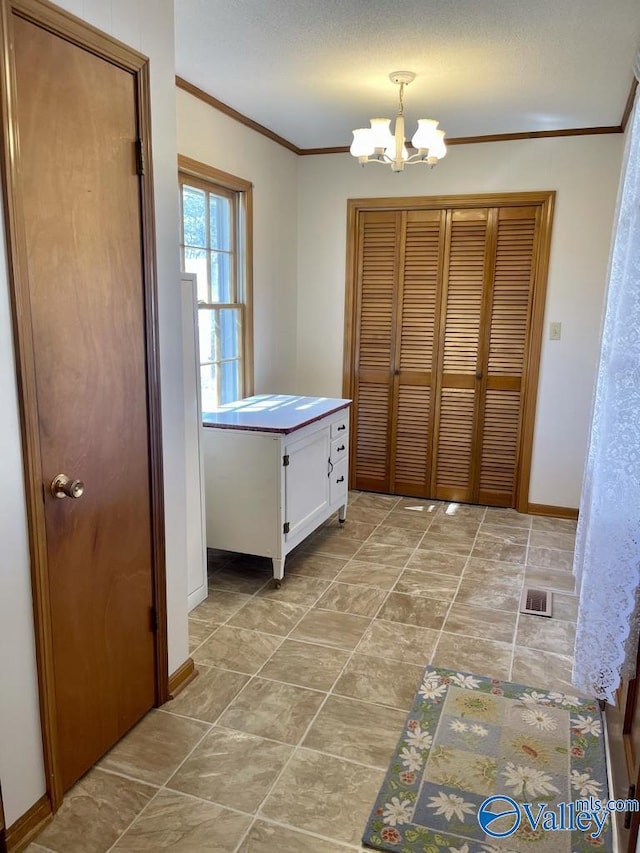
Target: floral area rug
<point>537,758</point>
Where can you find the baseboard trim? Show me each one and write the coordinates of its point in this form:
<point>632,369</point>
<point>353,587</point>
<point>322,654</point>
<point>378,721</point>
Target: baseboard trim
<point>553,511</point>
<point>179,679</point>
<point>22,832</point>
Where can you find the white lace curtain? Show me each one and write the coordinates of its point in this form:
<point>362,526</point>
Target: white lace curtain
<point>607,557</point>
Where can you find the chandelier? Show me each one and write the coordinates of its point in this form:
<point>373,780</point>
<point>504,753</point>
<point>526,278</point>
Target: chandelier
<point>376,144</point>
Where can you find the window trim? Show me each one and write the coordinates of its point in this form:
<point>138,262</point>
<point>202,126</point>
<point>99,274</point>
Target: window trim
<point>208,177</point>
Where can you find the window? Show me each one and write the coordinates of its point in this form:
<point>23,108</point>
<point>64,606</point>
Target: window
<point>214,243</point>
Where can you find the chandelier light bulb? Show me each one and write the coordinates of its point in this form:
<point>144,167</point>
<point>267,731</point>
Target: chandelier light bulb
<point>362,145</point>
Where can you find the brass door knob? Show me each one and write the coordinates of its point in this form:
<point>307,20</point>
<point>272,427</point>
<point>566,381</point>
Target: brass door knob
<point>64,487</point>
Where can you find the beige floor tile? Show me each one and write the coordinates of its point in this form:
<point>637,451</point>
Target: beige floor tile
<point>95,812</point>
<point>507,517</point>
<point>326,542</point>
<point>559,525</point>
<point>387,555</point>
<point>183,825</point>
<point>253,563</point>
<point>323,794</point>
<point>296,589</point>
<point>484,623</point>
<point>442,587</point>
<point>397,536</point>
<point>554,579</point>
<point>347,598</point>
<point>235,578</point>
<point>219,606</point>
<point>305,664</point>
<point>198,633</point>
<point>357,730</point>
<point>493,569</point>
<point>432,507</point>
<point>488,546</point>
<point>273,710</point>
<point>447,543</point>
<point>408,520</point>
<point>208,695</point>
<point>340,630</point>
<point>462,528</point>
<point>413,610</point>
<point>549,635</point>
<point>315,566</point>
<point>470,654</point>
<point>406,643</point>
<point>507,535</point>
<point>550,558</point>
<point>353,529</point>
<point>237,649</point>
<point>469,512</point>
<point>232,769</point>
<point>376,501</point>
<point>542,670</point>
<point>369,574</point>
<point>553,539</point>
<point>501,593</point>
<point>565,607</point>
<point>268,615</point>
<point>365,514</point>
<point>384,682</point>
<point>438,562</point>
<point>152,751</point>
<point>266,837</point>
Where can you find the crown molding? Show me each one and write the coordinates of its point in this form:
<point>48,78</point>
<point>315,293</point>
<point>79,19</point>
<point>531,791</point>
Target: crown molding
<point>459,140</point>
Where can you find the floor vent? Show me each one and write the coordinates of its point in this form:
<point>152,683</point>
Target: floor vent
<point>536,602</point>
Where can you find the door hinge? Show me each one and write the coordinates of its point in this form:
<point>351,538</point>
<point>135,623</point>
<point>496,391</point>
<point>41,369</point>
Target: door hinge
<point>286,527</point>
<point>153,618</point>
<point>139,157</point>
<point>285,460</point>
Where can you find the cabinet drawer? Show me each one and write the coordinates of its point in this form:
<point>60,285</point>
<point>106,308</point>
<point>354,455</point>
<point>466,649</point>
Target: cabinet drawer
<point>338,482</point>
<point>339,450</point>
<point>340,428</point>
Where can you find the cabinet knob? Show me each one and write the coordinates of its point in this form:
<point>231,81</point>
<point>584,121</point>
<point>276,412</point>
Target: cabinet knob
<point>340,428</point>
<point>340,480</point>
<point>340,449</point>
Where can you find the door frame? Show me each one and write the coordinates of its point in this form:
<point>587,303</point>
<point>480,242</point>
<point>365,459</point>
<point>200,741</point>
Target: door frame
<point>545,201</point>
<point>78,32</point>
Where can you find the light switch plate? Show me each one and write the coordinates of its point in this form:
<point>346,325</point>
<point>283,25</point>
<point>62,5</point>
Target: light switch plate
<point>555,330</point>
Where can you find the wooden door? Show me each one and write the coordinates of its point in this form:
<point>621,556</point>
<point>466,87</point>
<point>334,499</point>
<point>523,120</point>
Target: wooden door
<point>3,828</point>
<point>77,121</point>
<point>439,348</point>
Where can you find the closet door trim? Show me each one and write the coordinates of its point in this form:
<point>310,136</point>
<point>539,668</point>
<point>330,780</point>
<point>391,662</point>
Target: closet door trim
<point>545,202</point>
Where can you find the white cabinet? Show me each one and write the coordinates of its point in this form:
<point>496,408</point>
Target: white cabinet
<point>276,467</point>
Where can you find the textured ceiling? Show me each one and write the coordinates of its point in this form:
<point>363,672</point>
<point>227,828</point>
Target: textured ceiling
<point>312,70</point>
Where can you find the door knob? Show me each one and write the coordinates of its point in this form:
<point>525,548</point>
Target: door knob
<point>63,487</point>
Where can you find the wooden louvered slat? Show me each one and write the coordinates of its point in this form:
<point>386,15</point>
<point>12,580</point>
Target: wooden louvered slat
<point>413,441</point>
<point>455,440</point>
<point>372,437</point>
<point>499,447</point>
<point>465,280</point>
<point>421,259</point>
<point>511,296</point>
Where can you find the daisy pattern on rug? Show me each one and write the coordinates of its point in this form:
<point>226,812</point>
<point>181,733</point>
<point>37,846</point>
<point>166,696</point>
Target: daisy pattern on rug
<point>418,738</point>
<point>584,785</point>
<point>586,726</point>
<point>534,698</point>
<point>450,805</point>
<point>397,812</point>
<point>479,730</point>
<point>539,719</point>
<point>527,781</point>
<point>466,681</point>
<point>411,758</point>
<point>458,726</point>
<point>432,689</point>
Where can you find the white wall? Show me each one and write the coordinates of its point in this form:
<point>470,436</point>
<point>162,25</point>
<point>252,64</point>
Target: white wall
<point>147,26</point>
<point>583,170</point>
<point>213,138</point>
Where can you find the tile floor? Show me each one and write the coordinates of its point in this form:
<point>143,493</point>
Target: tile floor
<point>281,743</point>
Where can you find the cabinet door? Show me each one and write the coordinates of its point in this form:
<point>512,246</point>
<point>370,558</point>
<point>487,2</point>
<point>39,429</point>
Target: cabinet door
<point>306,482</point>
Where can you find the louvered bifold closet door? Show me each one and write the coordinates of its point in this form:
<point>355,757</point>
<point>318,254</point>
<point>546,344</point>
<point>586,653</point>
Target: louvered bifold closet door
<point>507,345</point>
<point>376,304</point>
<point>416,339</point>
<point>463,298</point>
